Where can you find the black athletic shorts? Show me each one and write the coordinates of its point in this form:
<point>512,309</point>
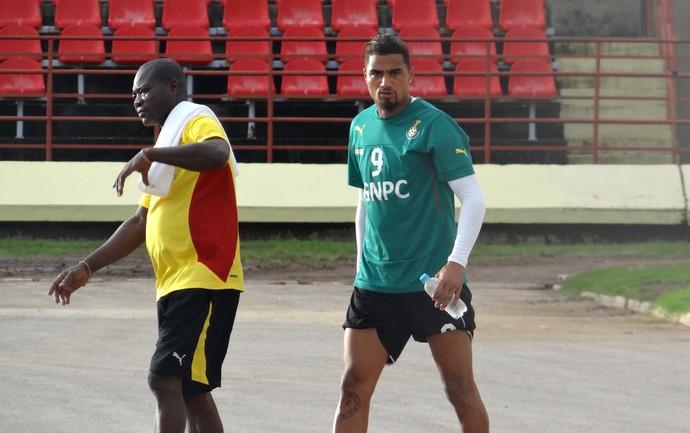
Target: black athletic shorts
<point>396,317</point>
<point>194,327</point>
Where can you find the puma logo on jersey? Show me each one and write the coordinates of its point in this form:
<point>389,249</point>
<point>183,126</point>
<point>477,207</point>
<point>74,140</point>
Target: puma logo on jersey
<point>463,151</point>
<point>179,358</point>
<point>360,129</point>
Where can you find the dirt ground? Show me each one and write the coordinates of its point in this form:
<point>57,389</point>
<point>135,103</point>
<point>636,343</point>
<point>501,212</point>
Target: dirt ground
<point>543,362</point>
<point>544,271</point>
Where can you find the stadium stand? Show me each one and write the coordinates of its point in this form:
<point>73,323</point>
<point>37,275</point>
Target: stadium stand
<point>523,85</point>
<point>189,46</point>
<point>20,13</point>
<point>123,13</point>
<point>461,14</point>
<point>351,80</point>
<point>254,84</point>
<point>347,47</point>
<point>303,42</point>
<point>240,13</point>
<point>133,45</point>
<point>296,13</point>
<point>238,46</point>
<point>414,13</point>
<point>517,46</point>
<point>423,42</point>
<point>475,86</point>
<point>81,45</point>
<point>19,40</point>
<point>469,42</point>
<point>179,13</point>
<point>303,78</point>
<point>521,13</point>
<point>78,13</point>
<point>25,83</point>
<point>428,81</point>
<point>361,13</point>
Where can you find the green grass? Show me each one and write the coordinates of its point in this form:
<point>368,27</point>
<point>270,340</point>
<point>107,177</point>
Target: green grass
<point>665,286</point>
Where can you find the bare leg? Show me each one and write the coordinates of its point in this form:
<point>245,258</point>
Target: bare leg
<point>365,358</point>
<point>202,414</point>
<point>452,352</point>
<point>170,408</point>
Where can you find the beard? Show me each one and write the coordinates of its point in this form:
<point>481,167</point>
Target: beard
<point>388,104</point>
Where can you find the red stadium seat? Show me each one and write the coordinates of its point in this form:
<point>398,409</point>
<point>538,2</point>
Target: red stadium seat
<point>296,13</point>
<point>246,13</point>
<point>78,13</point>
<point>474,86</point>
<point>472,42</point>
<point>516,47</point>
<point>81,45</point>
<point>468,13</point>
<point>311,44</point>
<point>351,79</point>
<point>250,85</point>
<point>123,13</point>
<point>127,50</point>
<point>179,13</point>
<point>523,85</point>
<point>20,41</point>
<point>423,42</point>
<point>414,13</point>
<point>428,80</point>
<point>521,13</point>
<point>238,47</point>
<point>24,83</point>
<point>348,13</point>
<point>352,49</point>
<point>20,12</point>
<point>304,82</point>
<point>189,45</point>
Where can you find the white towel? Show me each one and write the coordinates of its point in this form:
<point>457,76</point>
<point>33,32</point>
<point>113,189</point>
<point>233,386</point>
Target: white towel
<point>161,175</point>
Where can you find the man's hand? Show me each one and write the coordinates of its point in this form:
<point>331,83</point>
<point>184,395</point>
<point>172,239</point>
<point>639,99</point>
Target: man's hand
<point>138,163</point>
<point>67,282</point>
<point>451,278</point>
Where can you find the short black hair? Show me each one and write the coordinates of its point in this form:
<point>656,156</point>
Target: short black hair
<point>163,70</point>
<point>386,44</point>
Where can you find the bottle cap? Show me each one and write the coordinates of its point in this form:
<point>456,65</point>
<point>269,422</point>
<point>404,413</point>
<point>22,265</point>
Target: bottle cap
<point>424,278</point>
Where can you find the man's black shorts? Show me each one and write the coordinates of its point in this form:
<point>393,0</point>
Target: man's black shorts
<point>194,327</point>
<point>396,317</point>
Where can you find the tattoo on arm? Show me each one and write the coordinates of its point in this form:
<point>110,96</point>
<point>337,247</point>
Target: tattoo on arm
<point>349,406</point>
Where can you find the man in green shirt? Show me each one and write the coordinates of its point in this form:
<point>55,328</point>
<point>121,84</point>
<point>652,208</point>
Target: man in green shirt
<point>409,159</point>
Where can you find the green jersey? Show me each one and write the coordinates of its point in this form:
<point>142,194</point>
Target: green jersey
<point>403,164</point>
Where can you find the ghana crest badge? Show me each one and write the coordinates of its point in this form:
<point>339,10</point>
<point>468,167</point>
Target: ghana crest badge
<point>413,131</point>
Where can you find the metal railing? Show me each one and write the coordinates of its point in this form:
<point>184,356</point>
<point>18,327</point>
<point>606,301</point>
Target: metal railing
<point>567,54</point>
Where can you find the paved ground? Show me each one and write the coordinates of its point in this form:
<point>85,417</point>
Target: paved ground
<point>543,364</point>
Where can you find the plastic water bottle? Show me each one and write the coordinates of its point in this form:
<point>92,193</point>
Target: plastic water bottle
<point>430,287</point>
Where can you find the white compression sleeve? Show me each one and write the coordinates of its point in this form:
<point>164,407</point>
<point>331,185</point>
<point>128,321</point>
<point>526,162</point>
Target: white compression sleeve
<point>472,209</point>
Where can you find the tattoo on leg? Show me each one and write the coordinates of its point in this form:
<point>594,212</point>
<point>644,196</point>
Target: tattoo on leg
<point>349,406</point>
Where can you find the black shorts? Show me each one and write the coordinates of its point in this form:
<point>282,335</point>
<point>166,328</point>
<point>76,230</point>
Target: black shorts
<point>194,327</point>
<point>396,317</point>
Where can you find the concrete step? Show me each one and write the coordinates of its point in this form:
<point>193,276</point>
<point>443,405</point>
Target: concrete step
<point>631,135</point>
<point>622,157</point>
<point>633,48</point>
<point>614,109</point>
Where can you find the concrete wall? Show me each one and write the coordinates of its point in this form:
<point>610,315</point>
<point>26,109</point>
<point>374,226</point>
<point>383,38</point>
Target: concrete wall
<point>522,194</point>
<point>604,18</point>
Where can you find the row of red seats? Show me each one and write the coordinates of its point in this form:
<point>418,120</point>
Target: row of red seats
<point>250,78</point>
<point>291,13</point>
<point>250,41</point>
